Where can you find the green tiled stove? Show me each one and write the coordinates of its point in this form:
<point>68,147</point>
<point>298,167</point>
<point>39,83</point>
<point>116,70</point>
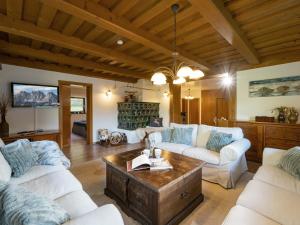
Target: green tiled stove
<point>133,115</point>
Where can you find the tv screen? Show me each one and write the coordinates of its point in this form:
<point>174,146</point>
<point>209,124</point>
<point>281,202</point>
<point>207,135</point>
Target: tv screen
<point>77,105</point>
<point>33,95</point>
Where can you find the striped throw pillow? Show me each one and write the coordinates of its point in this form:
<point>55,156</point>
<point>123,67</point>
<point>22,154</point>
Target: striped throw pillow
<point>217,140</point>
<point>290,162</point>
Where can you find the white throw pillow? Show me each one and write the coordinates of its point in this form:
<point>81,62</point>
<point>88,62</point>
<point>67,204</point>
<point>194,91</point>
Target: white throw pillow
<point>203,135</point>
<point>236,132</point>
<point>5,170</point>
<point>194,133</point>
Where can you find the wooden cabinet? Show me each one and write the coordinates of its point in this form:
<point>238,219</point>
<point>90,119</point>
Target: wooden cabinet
<point>268,134</point>
<point>34,136</point>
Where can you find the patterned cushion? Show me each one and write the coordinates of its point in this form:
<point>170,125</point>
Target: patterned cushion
<point>290,162</point>
<point>217,140</point>
<point>22,207</point>
<point>166,135</point>
<point>182,136</point>
<point>19,156</point>
<point>49,153</point>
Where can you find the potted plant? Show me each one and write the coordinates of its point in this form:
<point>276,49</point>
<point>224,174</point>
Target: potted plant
<point>4,127</point>
<point>281,113</point>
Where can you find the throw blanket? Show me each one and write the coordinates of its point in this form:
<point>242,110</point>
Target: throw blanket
<point>49,153</point>
<point>19,206</point>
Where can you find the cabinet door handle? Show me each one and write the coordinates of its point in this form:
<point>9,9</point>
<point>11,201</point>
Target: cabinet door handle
<point>184,195</point>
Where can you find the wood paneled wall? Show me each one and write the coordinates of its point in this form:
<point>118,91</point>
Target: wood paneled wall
<point>175,103</point>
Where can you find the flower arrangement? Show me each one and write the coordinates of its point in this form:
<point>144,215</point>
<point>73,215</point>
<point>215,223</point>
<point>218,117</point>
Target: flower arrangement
<point>284,113</point>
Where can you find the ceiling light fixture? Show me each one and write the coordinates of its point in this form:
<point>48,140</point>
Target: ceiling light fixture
<point>227,79</point>
<point>179,71</point>
<point>189,96</point>
<point>120,42</point>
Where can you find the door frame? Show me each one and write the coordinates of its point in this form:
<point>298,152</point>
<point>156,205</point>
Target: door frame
<point>89,109</point>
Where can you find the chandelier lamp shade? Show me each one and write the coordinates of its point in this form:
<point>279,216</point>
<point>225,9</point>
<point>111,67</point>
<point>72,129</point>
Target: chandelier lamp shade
<point>179,71</point>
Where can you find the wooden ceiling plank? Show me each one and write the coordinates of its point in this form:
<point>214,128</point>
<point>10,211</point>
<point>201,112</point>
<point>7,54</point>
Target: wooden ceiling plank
<point>62,69</point>
<point>14,9</point>
<point>220,18</point>
<point>124,6</point>
<point>73,24</point>
<point>25,51</point>
<point>153,12</point>
<point>102,17</point>
<point>45,19</point>
<point>29,30</point>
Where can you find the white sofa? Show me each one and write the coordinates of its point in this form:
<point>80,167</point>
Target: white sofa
<point>59,184</point>
<point>223,168</point>
<point>271,198</point>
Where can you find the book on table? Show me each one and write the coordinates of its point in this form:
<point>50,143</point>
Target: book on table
<point>142,162</point>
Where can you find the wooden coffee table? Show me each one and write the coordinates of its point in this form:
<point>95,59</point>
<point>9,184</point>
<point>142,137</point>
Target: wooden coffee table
<point>155,197</point>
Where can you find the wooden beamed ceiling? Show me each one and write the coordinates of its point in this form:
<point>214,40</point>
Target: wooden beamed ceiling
<point>79,36</point>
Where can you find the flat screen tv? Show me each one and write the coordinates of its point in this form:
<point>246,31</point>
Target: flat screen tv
<point>34,95</point>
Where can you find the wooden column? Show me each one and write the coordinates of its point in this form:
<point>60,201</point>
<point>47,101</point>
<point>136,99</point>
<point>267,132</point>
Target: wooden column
<point>232,100</point>
<point>175,103</point>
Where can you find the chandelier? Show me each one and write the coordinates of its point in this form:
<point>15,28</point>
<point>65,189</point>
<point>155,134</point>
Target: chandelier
<point>179,71</point>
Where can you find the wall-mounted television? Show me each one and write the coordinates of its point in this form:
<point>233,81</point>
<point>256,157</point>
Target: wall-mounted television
<point>34,95</point>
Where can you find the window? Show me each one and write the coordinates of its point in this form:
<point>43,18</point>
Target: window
<point>77,105</point>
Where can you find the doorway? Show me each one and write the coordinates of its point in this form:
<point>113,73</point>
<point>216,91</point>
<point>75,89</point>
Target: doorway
<point>75,117</point>
<point>190,111</point>
<point>215,107</point>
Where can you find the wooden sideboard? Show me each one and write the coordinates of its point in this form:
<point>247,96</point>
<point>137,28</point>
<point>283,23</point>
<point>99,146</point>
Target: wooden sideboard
<point>51,135</point>
<point>268,134</point>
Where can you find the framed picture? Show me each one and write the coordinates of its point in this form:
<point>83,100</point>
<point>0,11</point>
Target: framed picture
<point>285,86</point>
<point>156,122</point>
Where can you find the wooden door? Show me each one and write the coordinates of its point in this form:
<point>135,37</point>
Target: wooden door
<point>214,107</point>
<point>191,108</point>
<point>65,111</point>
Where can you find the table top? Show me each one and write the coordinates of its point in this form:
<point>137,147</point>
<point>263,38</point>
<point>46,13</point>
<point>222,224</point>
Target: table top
<point>183,166</point>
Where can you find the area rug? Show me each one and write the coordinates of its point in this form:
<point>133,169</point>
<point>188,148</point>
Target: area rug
<point>212,211</point>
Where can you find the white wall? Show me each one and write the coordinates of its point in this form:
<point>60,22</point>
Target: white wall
<point>104,109</point>
<point>248,108</point>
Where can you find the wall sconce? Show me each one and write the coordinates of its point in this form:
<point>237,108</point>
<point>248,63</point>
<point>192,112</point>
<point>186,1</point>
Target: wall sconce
<point>227,80</point>
<point>108,94</point>
<point>166,94</point>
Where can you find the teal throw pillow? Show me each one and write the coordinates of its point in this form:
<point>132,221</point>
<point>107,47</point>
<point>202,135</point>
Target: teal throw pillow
<point>22,207</point>
<point>290,162</point>
<point>182,136</point>
<point>166,135</point>
<point>19,156</point>
<point>217,140</point>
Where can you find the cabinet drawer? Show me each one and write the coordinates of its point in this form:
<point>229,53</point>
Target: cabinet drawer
<point>176,198</point>
<point>283,133</point>
<point>116,183</point>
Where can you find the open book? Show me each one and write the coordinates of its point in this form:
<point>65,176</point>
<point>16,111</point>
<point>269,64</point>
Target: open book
<point>142,162</point>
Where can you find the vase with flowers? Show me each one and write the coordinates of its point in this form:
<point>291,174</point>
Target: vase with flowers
<point>293,115</point>
<point>4,126</point>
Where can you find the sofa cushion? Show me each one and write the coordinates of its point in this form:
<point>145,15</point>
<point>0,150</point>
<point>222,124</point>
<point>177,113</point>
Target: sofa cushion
<point>236,132</point>
<point>1,143</point>
<point>172,147</point>
<point>5,170</point>
<point>19,156</point>
<point>194,133</point>
<point>23,207</point>
<point>54,185</point>
<point>290,162</point>
<point>182,136</point>
<point>166,135</point>
<point>273,202</point>
<point>76,203</point>
<point>240,215</point>
<point>278,177</point>
<point>218,140</point>
<point>203,154</point>
<point>203,135</point>
<point>36,172</point>
<point>104,215</point>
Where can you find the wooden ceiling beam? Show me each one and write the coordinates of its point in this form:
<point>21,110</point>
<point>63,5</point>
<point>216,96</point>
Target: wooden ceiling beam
<point>23,50</point>
<point>29,30</point>
<point>45,19</point>
<point>221,19</point>
<point>62,69</point>
<point>102,17</point>
<point>14,9</point>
